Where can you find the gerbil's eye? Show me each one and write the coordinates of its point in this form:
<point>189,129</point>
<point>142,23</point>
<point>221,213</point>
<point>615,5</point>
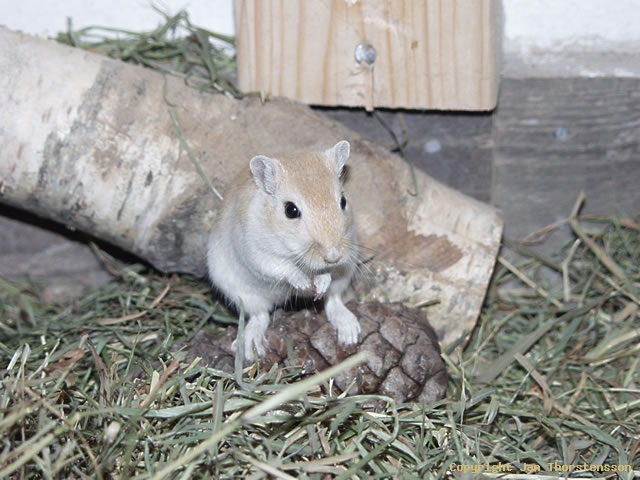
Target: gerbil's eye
<point>291,210</point>
<point>343,202</point>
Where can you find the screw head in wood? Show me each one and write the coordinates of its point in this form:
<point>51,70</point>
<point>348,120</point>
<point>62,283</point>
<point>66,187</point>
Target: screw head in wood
<point>365,53</point>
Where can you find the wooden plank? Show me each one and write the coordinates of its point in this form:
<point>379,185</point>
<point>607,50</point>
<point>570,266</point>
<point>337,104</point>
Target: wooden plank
<point>556,137</point>
<point>430,54</point>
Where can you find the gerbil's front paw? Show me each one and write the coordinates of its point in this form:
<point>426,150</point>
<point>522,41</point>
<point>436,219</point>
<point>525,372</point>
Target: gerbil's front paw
<point>320,285</point>
<point>301,282</point>
<point>348,328</point>
<point>345,322</point>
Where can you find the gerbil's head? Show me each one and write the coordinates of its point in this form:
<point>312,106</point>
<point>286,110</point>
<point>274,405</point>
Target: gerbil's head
<point>307,215</point>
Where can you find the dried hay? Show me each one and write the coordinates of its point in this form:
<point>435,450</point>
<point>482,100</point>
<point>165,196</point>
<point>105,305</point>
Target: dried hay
<point>548,385</point>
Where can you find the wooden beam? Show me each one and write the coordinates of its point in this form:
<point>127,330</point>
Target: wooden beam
<point>557,137</point>
<point>430,54</point>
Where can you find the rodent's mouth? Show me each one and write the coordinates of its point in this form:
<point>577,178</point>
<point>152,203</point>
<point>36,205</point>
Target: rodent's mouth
<point>321,266</point>
<point>316,267</point>
<point>318,260</point>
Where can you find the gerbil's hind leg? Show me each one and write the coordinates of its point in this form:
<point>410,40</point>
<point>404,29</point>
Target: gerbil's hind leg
<point>255,336</point>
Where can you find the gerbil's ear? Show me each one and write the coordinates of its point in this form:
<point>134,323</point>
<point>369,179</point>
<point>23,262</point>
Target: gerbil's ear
<point>265,173</point>
<point>340,153</point>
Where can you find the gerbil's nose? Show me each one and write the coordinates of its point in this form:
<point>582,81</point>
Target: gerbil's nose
<point>332,255</point>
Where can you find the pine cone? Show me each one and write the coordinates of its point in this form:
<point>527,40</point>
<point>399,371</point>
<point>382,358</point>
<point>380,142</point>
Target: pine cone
<point>404,361</point>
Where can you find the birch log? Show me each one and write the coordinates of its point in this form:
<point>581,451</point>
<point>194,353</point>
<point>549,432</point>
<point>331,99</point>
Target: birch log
<point>89,142</point>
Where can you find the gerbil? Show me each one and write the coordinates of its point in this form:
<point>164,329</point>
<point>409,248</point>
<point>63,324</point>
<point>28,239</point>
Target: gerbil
<point>286,228</point>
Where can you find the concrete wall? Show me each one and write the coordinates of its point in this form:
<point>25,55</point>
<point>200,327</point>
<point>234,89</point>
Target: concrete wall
<point>586,38</point>
<point>45,17</point>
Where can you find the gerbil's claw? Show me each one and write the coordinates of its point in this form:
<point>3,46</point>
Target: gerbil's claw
<point>255,336</point>
<point>301,282</point>
<point>321,285</point>
<point>250,343</point>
